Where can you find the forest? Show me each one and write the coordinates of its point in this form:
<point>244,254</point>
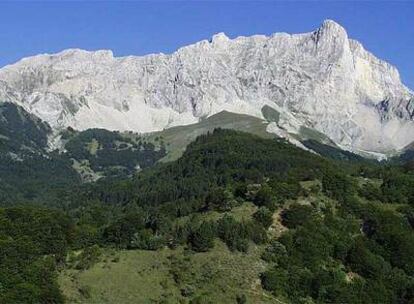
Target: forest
<point>346,223</point>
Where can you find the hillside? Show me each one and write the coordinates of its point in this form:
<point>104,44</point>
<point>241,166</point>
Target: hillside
<point>237,218</point>
<point>177,138</point>
<point>28,170</point>
<point>31,154</point>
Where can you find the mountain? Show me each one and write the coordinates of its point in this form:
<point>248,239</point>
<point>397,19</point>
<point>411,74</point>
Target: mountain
<point>320,80</point>
<point>21,132</point>
<point>31,172</point>
<point>28,170</point>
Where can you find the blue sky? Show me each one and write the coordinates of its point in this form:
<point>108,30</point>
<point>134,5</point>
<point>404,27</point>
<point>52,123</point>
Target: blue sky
<point>137,28</point>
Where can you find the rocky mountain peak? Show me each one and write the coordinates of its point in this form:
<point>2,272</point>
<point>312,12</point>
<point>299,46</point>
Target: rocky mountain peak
<point>320,80</point>
<point>219,38</point>
<point>331,35</point>
<point>331,27</point>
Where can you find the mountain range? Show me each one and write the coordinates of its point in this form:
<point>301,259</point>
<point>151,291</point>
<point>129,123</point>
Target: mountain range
<point>320,81</point>
<point>171,179</point>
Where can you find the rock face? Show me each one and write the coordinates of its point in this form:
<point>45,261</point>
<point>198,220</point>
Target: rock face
<point>321,80</point>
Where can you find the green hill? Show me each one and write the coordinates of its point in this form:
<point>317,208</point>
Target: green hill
<point>236,219</point>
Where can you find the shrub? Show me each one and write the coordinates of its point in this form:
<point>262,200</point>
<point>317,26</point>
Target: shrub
<point>264,216</point>
<point>371,192</point>
<point>219,199</point>
<point>202,239</point>
<point>296,215</point>
<point>146,239</point>
<point>233,233</point>
<point>88,257</point>
<point>265,197</point>
<point>257,232</point>
<point>241,299</point>
<point>337,185</point>
<point>274,252</point>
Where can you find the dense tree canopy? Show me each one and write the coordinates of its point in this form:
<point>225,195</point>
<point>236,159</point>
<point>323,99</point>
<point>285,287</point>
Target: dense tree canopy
<point>351,240</point>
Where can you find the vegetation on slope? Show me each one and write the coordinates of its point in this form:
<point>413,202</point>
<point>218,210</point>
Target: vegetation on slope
<point>318,230</point>
<point>28,172</point>
<point>177,139</point>
<point>109,153</point>
<point>21,132</point>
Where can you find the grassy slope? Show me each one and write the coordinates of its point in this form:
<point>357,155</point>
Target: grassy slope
<point>270,114</point>
<point>218,276</point>
<point>136,278</point>
<point>139,276</point>
<point>177,138</point>
<point>311,134</point>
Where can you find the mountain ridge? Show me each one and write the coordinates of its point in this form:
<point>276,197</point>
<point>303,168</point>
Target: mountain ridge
<point>321,80</point>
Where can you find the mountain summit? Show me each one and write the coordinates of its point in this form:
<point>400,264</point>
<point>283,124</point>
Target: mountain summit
<point>321,80</point>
